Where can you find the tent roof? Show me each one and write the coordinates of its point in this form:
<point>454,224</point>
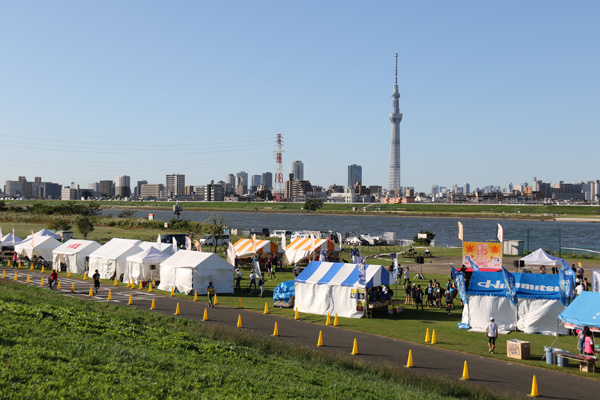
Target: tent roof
<point>540,257</point>
<point>166,248</point>
<point>42,242</point>
<point>73,246</point>
<point>150,255</point>
<point>192,259</point>
<point>8,239</point>
<point>306,244</point>
<point>46,232</point>
<point>115,248</point>
<point>583,311</point>
<point>341,274</point>
<point>243,247</point>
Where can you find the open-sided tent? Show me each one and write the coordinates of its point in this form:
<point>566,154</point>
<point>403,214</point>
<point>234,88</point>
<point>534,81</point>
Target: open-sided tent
<point>244,248</point>
<point>538,302</point>
<point>145,266</point>
<point>46,232</point>
<point>188,271</point>
<point>73,253</point>
<point>583,311</point>
<point>325,287</point>
<point>540,257</point>
<point>40,246</point>
<point>301,249</point>
<point>111,259</point>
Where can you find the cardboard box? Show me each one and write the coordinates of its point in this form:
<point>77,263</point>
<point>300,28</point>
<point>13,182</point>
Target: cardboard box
<point>517,349</point>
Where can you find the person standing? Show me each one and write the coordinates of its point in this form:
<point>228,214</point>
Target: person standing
<point>252,280</point>
<point>589,344</point>
<point>261,284</point>
<point>406,276</point>
<point>96,277</point>
<point>238,279</point>
<point>419,298</point>
<point>449,300</point>
<point>491,331</point>
<point>210,289</point>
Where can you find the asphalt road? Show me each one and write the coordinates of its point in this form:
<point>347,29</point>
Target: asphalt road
<point>502,376</point>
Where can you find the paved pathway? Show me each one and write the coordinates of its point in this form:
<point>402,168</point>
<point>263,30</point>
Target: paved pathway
<point>504,376</point>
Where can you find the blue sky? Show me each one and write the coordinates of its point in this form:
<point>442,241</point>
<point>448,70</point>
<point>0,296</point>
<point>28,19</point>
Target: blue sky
<point>492,92</point>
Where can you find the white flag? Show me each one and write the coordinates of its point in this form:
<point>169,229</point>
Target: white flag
<point>500,233</point>
<point>460,231</point>
<point>188,243</point>
<point>32,235</point>
<point>158,241</point>
<point>13,237</point>
<point>339,236</point>
<point>0,235</point>
<point>283,243</point>
<point>312,245</point>
<point>231,254</point>
<point>174,245</point>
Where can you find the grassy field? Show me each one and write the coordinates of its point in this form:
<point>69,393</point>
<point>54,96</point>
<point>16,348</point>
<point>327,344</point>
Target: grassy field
<point>438,210</point>
<point>53,346</point>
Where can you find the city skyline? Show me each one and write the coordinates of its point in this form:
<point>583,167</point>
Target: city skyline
<point>482,103</point>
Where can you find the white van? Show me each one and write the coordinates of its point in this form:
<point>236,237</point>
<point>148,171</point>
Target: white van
<point>208,240</point>
<point>278,233</point>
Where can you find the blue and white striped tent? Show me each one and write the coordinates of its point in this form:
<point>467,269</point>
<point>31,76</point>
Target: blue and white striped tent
<point>325,287</point>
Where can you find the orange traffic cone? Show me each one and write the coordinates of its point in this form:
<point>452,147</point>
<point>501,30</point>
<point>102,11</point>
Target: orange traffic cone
<point>328,320</point>
<point>275,331</point>
<point>73,287</point>
<point>109,295</point>
<point>153,305</point>
<point>216,300</point>
<point>58,285</point>
<point>354,348</point>
<point>172,291</point>
<point>91,291</point>
<point>149,288</point>
<point>335,321</point>
<point>320,341</point>
<point>433,338</point>
<point>177,312</point>
<point>42,281</point>
<point>15,276</point>
<point>266,311</point>
<point>195,295</point>
<point>68,273</point>
<point>130,302</point>
<point>239,323</point>
<point>28,280</point>
<point>116,282</point>
<point>296,315</point>
<point>205,317</point>
<point>427,337</point>
<point>3,274</point>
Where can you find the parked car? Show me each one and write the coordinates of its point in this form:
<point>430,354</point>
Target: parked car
<point>208,240</point>
<point>278,233</point>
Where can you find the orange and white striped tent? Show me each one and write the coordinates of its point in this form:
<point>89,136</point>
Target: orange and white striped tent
<point>302,248</point>
<point>244,248</point>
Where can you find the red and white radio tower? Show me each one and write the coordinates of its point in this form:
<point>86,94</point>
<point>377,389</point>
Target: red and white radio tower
<point>278,187</point>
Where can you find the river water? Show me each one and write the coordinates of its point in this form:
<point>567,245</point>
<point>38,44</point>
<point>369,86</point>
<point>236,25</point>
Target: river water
<point>549,235</point>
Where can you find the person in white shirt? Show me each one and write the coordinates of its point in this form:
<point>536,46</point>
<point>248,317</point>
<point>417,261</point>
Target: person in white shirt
<point>491,331</point>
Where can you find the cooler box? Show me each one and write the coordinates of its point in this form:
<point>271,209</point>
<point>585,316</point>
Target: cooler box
<point>517,349</point>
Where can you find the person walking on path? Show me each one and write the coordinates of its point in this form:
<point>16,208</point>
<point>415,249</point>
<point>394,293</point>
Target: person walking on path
<point>491,331</point>
<point>210,289</point>
<point>96,277</point>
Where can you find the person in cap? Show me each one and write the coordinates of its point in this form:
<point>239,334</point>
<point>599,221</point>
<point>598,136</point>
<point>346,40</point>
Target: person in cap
<point>491,331</point>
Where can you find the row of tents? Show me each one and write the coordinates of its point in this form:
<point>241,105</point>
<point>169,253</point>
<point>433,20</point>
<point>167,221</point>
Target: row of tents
<point>299,249</point>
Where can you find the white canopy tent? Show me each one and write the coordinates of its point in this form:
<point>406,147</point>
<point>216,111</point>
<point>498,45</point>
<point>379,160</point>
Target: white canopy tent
<point>188,271</point>
<point>145,266</point>
<point>46,232</point>
<point>40,246</point>
<point>111,259</point>
<point>540,257</point>
<point>73,253</point>
<point>10,240</point>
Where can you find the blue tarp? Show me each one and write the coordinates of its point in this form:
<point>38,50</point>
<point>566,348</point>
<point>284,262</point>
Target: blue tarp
<point>283,291</point>
<point>583,311</point>
<point>530,286</point>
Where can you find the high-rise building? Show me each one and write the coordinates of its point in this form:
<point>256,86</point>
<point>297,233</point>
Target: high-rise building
<point>241,183</point>
<point>175,185</point>
<point>107,189</point>
<point>395,118</point>
<point>152,190</point>
<point>354,175</point>
<point>123,186</point>
<point>256,181</point>
<point>137,191</point>
<point>298,170</point>
<point>467,189</point>
<point>267,180</point>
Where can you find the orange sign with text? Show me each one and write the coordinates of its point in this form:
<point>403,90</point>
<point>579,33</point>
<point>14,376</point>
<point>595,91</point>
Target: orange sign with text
<point>485,255</point>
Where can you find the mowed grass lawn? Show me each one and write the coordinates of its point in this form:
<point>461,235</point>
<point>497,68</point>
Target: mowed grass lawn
<point>53,346</point>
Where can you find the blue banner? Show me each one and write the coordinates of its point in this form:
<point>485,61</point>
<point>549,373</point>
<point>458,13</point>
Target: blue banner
<point>473,265</point>
<point>509,282</point>
<point>362,272</point>
<point>459,280</point>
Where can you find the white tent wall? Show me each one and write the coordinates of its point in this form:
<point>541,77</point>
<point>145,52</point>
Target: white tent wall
<point>333,300</point>
<point>480,308</point>
<point>539,316</point>
<point>222,280</point>
<point>73,253</point>
<point>110,259</point>
<point>141,272</point>
<point>42,247</point>
<point>106,267</point>
<point>167,277</point>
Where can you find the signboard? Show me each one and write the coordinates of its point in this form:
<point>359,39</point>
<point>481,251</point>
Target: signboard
<point>485,255</point>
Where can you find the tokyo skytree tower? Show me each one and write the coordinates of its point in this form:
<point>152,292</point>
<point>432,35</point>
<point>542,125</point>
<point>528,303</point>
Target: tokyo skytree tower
<point>395,118</point>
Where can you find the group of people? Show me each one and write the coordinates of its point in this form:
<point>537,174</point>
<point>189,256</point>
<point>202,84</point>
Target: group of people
<point>380,294</point>
<point>585,341</point>
<point>432,296</point>
<point>253,281</point>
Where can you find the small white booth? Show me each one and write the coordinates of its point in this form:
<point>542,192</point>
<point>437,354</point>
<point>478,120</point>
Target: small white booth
<point>187,271</point>
<point>73,253</point>
<point>111,259</point>
<point>145,266</point>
